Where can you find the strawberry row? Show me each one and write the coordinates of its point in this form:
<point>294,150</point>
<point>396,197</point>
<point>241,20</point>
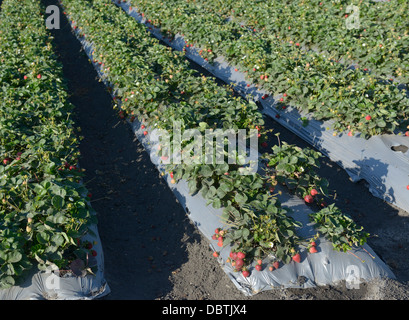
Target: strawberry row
<point>153,84</point>
<point>356,100</point>
<point>44,209</point>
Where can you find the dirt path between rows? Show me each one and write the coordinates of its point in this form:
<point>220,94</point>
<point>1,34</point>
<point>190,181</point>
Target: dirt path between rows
<point>151,249</point>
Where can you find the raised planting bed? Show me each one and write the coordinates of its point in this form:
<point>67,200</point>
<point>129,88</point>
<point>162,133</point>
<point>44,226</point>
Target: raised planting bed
<point>361,129</point>
<point>49,243</point>
<point>154,88</point>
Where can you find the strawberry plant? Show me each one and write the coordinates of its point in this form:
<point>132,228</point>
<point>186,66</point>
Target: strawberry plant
<point>295,167</point>
<point>339,228</point>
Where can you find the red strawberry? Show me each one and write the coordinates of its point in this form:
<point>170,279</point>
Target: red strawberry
<point>142,127</point>
<point>239,264</point>
<point>313,243</point>
<point>368,117</point>
<point>241,255</point>
<point>259,261</point>
<point>407,133</point>
<point>276,264</point>
<point>214,237</point>
<point>220,243</point>
<point>314,192</point>
<point>233,255</point>
<point>39,76</point>
<point>217,231</point>
<point>258,267</point>
<point>308,198</point>
<point>281,99</point>
<point>215,254</point>
<point>25,77</point>
<point>94,253</point>
<point>145,133</point>
<point>245,273</point>
<point>313,250</point>
<point>407,187</point>
<point>6,161</point>
<point>297,258</point>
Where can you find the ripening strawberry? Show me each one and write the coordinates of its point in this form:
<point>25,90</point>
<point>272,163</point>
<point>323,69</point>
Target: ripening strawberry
<point>313,250</point>
<point>241,255</point>
<point>233,255</point>
<point>308,198</point>
<point>239,263</point>
<point>297,258</point>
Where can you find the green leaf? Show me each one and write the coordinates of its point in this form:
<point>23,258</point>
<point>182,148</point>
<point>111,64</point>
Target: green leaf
<point>58,202</point>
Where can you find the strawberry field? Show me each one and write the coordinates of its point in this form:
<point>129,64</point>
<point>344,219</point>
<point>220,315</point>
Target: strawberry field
<point>251,219</point>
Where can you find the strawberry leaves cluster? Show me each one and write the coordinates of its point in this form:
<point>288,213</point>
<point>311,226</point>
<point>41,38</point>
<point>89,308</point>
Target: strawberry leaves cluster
<point>339,228</point>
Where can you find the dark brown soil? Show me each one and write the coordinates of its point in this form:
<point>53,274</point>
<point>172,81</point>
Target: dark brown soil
<point>151,249</point>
